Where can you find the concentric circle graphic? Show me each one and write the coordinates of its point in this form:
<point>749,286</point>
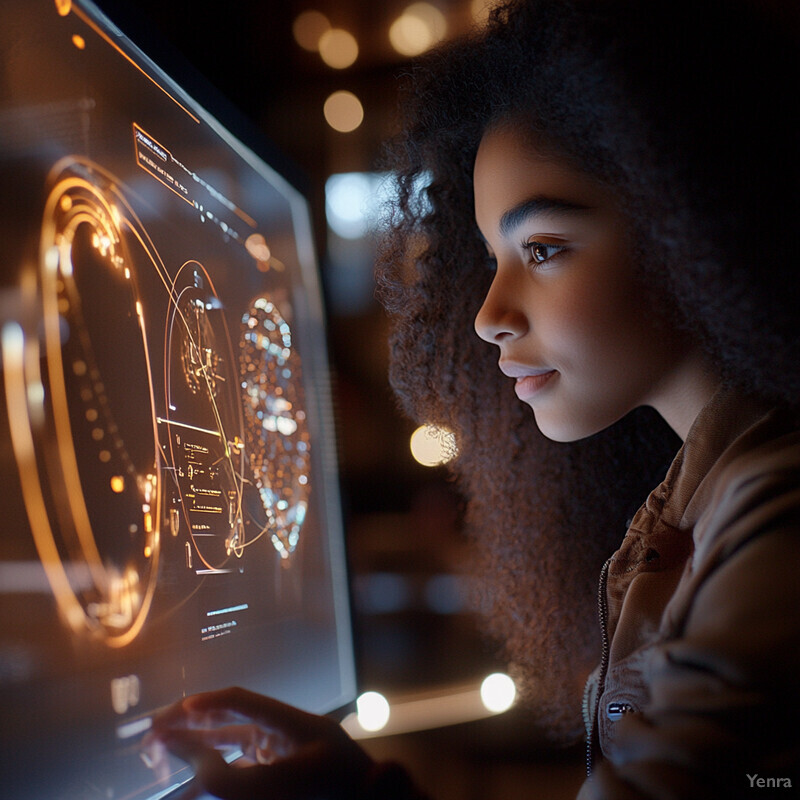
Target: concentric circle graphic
<point>90,470</point>
<point>204,420</point>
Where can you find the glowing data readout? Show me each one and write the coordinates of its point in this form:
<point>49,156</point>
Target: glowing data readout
<point>166,445</point>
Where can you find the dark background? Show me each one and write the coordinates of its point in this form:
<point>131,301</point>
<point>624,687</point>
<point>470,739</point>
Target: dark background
<point>402,520</point>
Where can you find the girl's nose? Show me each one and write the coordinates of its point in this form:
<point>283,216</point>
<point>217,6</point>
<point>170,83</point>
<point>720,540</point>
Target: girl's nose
<point>502,314</point>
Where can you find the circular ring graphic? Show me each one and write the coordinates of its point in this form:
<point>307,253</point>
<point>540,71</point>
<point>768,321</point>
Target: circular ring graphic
<point>277,437</point>
<point>90,477</point>
<point>204,420</point>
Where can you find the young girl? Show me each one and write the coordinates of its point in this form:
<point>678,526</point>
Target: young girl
<point>610,202</point>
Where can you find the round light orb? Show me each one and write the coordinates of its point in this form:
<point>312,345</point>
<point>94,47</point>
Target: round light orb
<point>308,29</point>
<point>338,48</point>
<point>373,711</point>
<point>346,199</point>
<point>432,446</point>
<point>498,692</point>
<point>431,16</point>
<point>343,111</point>
<point>417,29</point>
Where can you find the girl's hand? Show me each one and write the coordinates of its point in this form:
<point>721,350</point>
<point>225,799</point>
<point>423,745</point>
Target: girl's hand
<point>293,754</point>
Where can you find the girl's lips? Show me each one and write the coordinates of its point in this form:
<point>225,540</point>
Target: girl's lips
<point>528,385</point>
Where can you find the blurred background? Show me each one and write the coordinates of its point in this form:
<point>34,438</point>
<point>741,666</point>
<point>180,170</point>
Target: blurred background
<point>317,79</point>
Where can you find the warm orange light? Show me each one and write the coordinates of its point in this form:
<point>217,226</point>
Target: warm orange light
<point>338,48</point>
<point>117,484</point>
<point>308,29</point>
<point>148,522</point>
<point>432,446</point>
<point>63,7</point>
<point>419,27</point>
<point>343,111</point>
<point>148,551</point>
<point>257,246</point>
<point>480,10</point>
<point>79,42</point>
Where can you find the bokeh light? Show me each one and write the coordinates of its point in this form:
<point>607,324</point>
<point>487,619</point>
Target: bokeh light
<point>348,197</point>
<point>257,246</point>
<point>498,692</point>
<point>373,711</point>
<point>338,48</point>
<point>343,111</point>
<point>308,29</point>
<point>417,29</point>
<point>432,446</point>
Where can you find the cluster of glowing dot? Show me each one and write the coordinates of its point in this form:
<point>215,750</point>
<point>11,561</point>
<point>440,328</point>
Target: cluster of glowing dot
<point>278,438</point>
<point>417,29</point>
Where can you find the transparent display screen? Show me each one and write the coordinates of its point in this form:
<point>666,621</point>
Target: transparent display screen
<point>170,506</point>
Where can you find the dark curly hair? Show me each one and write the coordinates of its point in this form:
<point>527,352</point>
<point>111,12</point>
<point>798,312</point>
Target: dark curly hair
<point>682,108</point>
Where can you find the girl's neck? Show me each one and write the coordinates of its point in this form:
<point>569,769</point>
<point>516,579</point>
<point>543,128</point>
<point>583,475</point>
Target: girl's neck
<point>682,395</point>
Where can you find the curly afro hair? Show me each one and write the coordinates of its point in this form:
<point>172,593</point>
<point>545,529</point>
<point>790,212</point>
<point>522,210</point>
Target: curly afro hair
<point>682,109</point>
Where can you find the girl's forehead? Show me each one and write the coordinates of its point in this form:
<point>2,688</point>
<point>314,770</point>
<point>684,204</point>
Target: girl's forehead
<point>509,170</point>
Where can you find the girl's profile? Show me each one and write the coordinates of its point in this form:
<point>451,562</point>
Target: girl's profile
<point>596,290</point>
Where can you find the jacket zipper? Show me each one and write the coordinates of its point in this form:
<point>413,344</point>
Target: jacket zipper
<point>602,613</point>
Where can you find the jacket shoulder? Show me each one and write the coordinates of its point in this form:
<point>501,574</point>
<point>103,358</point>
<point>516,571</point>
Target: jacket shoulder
<point>752,489</point>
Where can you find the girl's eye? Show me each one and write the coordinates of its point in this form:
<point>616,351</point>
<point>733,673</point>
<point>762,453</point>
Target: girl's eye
<point>539,252</point>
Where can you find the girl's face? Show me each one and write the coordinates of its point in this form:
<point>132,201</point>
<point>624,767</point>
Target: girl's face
<point>573,324</point>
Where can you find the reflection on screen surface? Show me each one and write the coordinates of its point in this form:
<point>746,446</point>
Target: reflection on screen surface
<point>170,507</point>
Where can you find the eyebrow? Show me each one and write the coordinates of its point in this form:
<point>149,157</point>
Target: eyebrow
<point>538,205</point>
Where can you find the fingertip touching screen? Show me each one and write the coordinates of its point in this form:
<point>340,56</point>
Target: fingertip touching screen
<point>170,512</point>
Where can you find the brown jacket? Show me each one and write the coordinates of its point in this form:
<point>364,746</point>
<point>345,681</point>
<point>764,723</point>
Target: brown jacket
<point>698,694</point>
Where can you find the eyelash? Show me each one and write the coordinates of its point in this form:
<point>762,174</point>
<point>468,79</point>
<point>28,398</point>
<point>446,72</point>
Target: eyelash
<point>553,251</point>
